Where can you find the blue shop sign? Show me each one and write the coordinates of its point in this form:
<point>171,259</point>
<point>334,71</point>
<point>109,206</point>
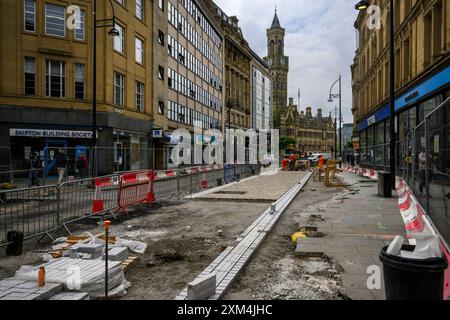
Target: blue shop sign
<point>417,93</point>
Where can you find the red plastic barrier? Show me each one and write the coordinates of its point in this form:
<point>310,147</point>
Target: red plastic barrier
<point>135,188</point>
<point>98,204</point>
<point>415,222</point>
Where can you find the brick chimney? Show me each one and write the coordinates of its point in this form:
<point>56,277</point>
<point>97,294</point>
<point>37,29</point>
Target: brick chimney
<point>319,113</point>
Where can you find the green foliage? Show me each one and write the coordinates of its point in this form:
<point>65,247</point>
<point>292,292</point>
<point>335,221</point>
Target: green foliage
<point>286,141</point>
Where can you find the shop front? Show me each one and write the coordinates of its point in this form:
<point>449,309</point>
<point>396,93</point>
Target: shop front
<point>411,110</point>
<point>122,142</point>
<point>48,144</point>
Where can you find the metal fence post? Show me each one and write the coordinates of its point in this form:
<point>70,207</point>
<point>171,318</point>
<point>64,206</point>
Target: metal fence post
<point>58,205</point>
<point>427,165</point>
<point>413,156</point>
<point>192,182</point>
<point>178,175</point>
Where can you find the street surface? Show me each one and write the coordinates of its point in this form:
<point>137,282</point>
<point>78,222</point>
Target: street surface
<point>185,237</point>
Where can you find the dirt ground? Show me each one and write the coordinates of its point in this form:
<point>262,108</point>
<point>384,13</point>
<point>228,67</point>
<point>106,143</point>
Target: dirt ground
<point>275,273</point>
<point>183,239</point>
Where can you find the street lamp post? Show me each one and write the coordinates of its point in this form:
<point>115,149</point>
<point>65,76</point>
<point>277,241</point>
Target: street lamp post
<point>363,5</point>
<point>338,96</point>
<point>103,23</point>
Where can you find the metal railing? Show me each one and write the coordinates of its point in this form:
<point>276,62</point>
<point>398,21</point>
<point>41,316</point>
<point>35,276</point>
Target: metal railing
<point>423,160</point>
<point>23,178</point>
<point>41,211</point>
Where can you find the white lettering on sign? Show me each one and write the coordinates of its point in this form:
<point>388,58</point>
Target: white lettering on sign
<point>371,120</point>
<point>39,133</point>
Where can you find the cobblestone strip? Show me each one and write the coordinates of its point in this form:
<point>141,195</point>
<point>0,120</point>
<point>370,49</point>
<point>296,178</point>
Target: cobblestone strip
<point>231,262</point>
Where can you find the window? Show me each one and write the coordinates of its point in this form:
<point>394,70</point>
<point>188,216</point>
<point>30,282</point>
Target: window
<point>139,51</point>
<point>30,76</point>
<point>79,24</point>
<point>161,107</point>
<point>55,80</point>
<point>161,38</point>
<point>30,15</point>
<point>161,4</point>
<point>122,2</point>
<point>140,9</point>
<point>160,73</point>
<point>119,81</point>
<point>55,20</point>
<point>80,73</point>
<point>139,96</point>
<point>119,41</point>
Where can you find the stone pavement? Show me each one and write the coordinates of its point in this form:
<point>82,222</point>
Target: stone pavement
<point>356,224</point>
<point>18,289</point>
<point>259,189</point>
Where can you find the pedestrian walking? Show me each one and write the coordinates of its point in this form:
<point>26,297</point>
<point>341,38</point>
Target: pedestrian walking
<point>61,164</point>
<point>82,166</point>
<point>35,165</point>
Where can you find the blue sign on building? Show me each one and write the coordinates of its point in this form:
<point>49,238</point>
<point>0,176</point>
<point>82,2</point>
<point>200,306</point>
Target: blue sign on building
<point>415,94</point>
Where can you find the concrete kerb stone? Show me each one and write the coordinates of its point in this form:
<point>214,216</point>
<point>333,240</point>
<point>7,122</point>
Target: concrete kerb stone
<point>202,288</point>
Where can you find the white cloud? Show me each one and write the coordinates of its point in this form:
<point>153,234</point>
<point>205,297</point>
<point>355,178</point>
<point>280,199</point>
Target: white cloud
<point>320,41</point>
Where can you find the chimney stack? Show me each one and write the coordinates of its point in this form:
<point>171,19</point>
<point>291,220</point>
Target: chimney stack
<point>308,112</point>
<point>319,113</point>
<point>291,101</point>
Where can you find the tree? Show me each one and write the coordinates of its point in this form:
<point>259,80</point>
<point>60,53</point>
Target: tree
<point>286,141</point>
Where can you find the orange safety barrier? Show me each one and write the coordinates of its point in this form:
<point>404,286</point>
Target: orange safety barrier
<point>135,188</point>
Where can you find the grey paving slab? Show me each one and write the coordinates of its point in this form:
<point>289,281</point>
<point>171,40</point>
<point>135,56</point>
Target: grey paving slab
<point>28,290</point>
<point>356,227</point>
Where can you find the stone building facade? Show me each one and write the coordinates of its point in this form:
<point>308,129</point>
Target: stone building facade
<point>188,71</point>
<point>279,68</point>
<point>237,74</point>
<point>422,77</point>
<point>313,133</point>
<point>46,83</point>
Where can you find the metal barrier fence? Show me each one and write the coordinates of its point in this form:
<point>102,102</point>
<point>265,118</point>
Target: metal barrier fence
<point>423,160</point>
<point>24,178</point>
<point>41,211</point>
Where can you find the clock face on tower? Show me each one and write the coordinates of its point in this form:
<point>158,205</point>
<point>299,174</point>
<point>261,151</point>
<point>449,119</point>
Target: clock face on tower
<point>269,62</point>
<point>282,61</point>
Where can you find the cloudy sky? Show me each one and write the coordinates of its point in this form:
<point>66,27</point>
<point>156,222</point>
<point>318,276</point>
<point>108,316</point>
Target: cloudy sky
<point>320,41</point>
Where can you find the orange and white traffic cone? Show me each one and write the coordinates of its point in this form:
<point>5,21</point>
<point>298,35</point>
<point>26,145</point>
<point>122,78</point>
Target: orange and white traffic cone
<point>150,194</point>
<point>204,181</point>
<point>98,206</point>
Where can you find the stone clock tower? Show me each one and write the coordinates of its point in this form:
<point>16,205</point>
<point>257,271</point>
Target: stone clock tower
<point>279,67</point>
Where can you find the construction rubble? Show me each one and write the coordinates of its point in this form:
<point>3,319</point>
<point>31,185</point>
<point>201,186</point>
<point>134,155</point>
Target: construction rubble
<point>74,269</point>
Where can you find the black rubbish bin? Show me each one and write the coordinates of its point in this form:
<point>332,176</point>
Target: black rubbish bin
<point>384,184</point>
<point>15,246</point>
<point>413,279</point>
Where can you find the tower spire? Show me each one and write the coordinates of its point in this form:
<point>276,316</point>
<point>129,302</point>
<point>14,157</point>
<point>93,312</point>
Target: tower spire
<point>275,22</point>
